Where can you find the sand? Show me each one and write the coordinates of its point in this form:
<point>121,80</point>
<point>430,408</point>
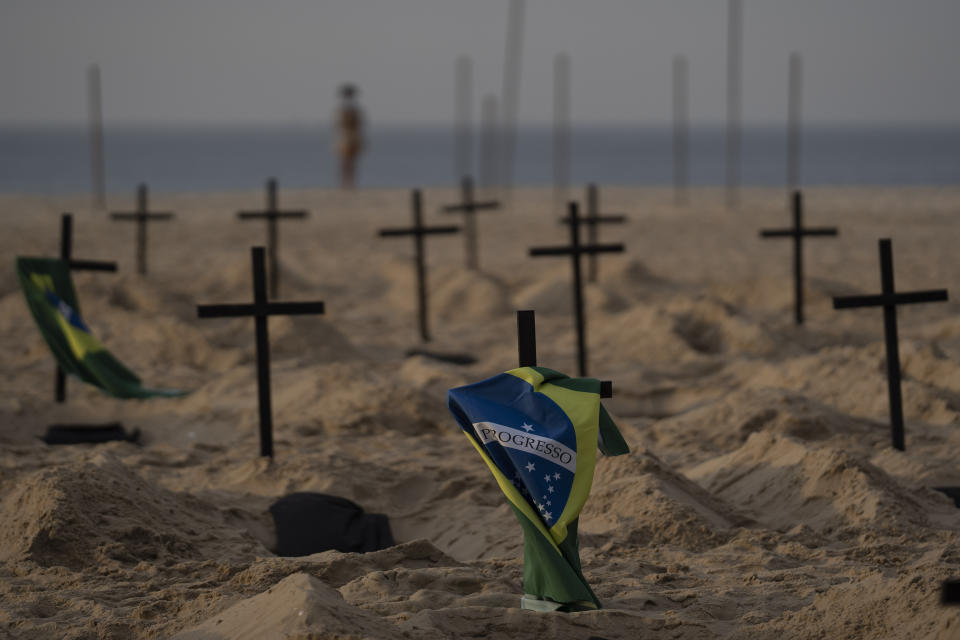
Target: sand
<point>761,499</point>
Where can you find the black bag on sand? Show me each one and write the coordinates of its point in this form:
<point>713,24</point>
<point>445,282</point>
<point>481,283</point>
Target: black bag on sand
<point>314,522</point>
<point>85,434</point>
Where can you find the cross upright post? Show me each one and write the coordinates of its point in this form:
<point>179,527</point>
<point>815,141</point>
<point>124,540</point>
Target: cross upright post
<point>889,299</point>
<point>418,231</point>
<point>527,347</point>
<point>592,220</point>
<point>575,249</point>
<point>468,207</point>
<point>797,232</point>
<point>260,310</point>
<point>272,214</point>
<point>66,254</point>
<point>141,216</point>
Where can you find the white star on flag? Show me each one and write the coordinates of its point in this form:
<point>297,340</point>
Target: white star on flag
<point>550,488</point>
<point>549,503</point>
<point>528,427</point>
<point>547,515</point>
<point>546,478</point>
<point>530,466</point>
<point>540,506</point>
<point>556,476</point>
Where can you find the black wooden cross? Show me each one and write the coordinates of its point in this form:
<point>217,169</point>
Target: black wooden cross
<point>575,250</point>
<point>418,231</point>
<point>592,220</point>
<point>141,216</point>
<point>66,254</point>
<point>272,214</point>
<point>260,309</point>
<point>468,207</point>
<point>889,300</point>
<point>797,233</point>
<point>527,347</point>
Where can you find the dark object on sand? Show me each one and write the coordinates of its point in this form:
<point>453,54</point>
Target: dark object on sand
<point>313,522</point>
<point>952,492</point>
<point>89,433</point>
<point>452,358</point>
<point>951,592</point>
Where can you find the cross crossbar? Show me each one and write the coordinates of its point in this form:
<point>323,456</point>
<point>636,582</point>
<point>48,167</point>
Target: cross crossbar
<point>577,250</point>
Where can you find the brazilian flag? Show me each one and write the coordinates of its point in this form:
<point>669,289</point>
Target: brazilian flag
<point>52,300</point>
<point>538,431</point>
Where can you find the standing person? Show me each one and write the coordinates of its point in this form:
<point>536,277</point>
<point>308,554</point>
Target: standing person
<point>349,134</point>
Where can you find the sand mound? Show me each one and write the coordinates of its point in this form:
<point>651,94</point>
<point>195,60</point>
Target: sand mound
<point>470,296</point>
<point>553,295</point>
<point>637,500</point>
<point>785,483</point>
<point>299,606</point>
<point>309,337</point>
<point>355,398</point>
<point>904,606</point>
<point>854,380</point>
<point>725,425</point>
<point>682,330</point>
<point>98,511</point>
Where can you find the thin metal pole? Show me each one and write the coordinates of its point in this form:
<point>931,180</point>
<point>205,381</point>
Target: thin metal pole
<point>469,223</point>
<point>734,47</point>
<point>95,108</point>
<point>680,129</point>
<point>561,131</point>
<point>593,210</point>
<point>272,233</point>
<point>142,229</point>
<point>511,89</point>
<point>488,143</point>
<point>793,121</point>
<point>463,117</point>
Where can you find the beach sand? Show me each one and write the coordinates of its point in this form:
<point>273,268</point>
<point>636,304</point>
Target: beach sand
<point>761,499</point>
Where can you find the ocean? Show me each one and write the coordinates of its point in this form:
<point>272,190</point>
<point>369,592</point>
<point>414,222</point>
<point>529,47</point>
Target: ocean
<point>193,159</point>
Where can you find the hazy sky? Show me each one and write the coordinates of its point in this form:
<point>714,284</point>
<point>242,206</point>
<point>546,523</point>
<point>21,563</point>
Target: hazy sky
<point>280,61</point>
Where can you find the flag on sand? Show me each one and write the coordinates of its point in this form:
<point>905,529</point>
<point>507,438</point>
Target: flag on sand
<point>50,295</point>
<point>539,431</point>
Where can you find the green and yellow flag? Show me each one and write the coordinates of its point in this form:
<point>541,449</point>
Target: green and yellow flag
<point>52,300</point>
<point>538,431</point>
